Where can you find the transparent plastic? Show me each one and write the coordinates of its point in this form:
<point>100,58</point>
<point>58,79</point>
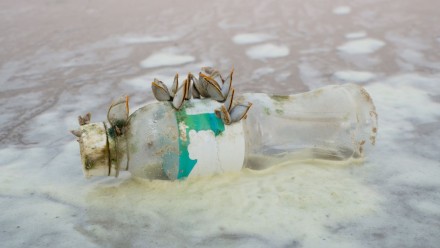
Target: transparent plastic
<point>333,123</point>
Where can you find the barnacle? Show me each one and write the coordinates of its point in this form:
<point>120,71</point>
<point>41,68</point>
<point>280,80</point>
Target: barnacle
<point>176,96</point>
<point>209,84</point>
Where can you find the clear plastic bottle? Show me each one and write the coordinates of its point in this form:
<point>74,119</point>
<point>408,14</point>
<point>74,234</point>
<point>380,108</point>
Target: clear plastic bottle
<point>333,123</point>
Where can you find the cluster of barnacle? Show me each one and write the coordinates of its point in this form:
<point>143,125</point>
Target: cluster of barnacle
<point>209,84</point>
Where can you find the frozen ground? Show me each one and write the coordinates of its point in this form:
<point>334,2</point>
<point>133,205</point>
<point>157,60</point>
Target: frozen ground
<point>60,59</point>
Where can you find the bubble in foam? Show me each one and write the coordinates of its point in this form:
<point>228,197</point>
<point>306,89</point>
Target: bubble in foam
<point>267,51</point>
<point>356,35</point>
<point>251,38</point>
<point>361,46</point>
<point>166,58</point>
<point>354,76</point>
<point>342,10</point>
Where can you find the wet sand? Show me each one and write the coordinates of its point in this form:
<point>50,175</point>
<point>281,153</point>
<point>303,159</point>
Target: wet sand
<point>52,47</point>
<point>60,59</point>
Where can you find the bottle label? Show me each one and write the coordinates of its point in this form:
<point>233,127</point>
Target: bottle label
<point>206,144</point>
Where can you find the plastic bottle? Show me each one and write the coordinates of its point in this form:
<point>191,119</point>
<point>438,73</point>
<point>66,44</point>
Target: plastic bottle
<point>333,123</point>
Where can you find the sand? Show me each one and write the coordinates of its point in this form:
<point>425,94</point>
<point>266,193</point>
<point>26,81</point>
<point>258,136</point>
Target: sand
<point>60,59</point>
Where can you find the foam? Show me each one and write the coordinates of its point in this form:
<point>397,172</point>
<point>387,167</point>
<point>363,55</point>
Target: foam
<point>356,35</point>
<point>417,58</point>
<point>263,71</point>
<point>140,39</point>
<point>308,204</point>
<point>354,76</point>
<point>267,51</point>
<point>45,200</point>
<point>310,75</point>
<point>228,24</point>
<point>166,58</point>
<point>342,10</point>
<point>393,95</point>
<point>316,50</point>
<point>144,82</point>
<point>274,206</point>
<point>282,76</point>
<point>361,46</point>
<point>36,221</point>
<point>251,38</point>
<point>427,207</point>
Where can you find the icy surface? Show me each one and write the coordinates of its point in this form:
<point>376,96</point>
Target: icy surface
<point>79,55</point>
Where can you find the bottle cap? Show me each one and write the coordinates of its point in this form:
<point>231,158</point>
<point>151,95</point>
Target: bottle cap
<point>94,149</point>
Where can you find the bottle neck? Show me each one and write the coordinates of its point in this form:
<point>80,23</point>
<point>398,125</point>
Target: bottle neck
<point>103,153</point>
<point>118,150</point>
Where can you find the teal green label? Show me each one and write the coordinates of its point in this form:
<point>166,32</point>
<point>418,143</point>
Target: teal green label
<point>198,122</point>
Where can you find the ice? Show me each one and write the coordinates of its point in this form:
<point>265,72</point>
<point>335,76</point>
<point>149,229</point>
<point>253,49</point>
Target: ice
<point>251,38</point>
<point>342,10</point>
<point>166,58</point>
<point>361,46</point>
<point>354,76</point>
<point>267,51</point>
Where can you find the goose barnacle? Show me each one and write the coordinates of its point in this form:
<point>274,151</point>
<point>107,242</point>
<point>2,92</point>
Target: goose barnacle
<point>176,96</point>
<point>209,84</point>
